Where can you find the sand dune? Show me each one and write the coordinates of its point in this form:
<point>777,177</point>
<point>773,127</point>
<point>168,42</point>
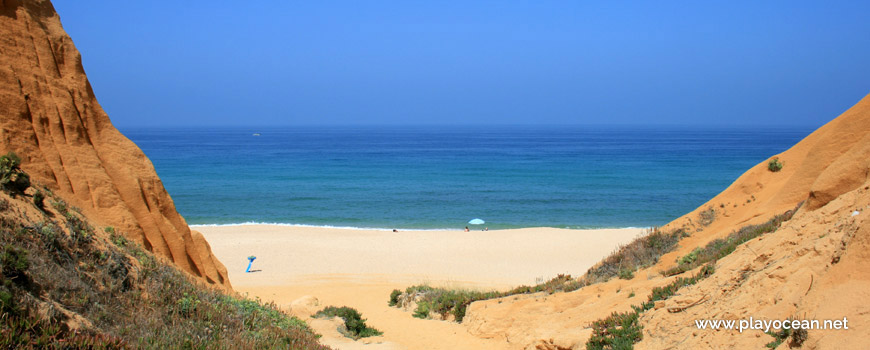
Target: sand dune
<point>359,268</point>
<point>830,163</point>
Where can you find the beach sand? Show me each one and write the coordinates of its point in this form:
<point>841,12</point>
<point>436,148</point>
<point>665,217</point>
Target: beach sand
<point>359,268</point>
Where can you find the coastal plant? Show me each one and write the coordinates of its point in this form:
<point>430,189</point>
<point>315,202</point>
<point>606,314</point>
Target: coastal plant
<point>13,261</point>
<point>721,247</point>
<point>641,252</point>
<point>394,297</point>
<point>707,216</point>
<point>621,330</point>
<point>186,304</point>
<point>798,337</point>
<point>353,321</point>
<point>690,258</point>
<point>626,274</point>
<point>39,200</point>
<point>422,310</point>
<point>774,164</point>
<point>129,298</point>
<point>60,206</point>
<point>779,336</point>
<point>12,178</point>
<point>445,302</point>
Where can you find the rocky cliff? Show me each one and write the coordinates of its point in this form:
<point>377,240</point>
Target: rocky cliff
<point>51,118</point>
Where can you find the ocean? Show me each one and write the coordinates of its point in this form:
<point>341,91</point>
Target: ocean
<point>442,177</point>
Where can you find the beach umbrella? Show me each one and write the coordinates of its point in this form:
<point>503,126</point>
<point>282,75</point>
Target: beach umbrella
<point>250,262</point>
<point>476,222</point>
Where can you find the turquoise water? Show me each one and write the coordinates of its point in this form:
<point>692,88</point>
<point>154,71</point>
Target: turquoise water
<point>442,177</point>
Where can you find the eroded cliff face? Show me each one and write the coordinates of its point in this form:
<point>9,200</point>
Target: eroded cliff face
<point>813,267</point>
<point>51,118</point>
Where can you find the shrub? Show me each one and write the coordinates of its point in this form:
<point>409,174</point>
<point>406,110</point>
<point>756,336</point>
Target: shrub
<point>706,217</point>
<point>718,248</point>
<point>643,251</point>
<point>626,274</point>
<point>422,310</point>
<point>778,337</point>
<point>60,206</point>
<point>774,164</point>
<point>149,305</point>
<point>39,200</point>
<point>622,330</point>
<point>454,302</point>
<point>353,321</point>
<point>186,304</point>
<point>798,337</point>
<point>619,331</point>
<point>12,178</point>
<point>13,261</point>
<point>394,297</point>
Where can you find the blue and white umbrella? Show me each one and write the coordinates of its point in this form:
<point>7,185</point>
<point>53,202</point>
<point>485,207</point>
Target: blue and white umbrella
<point>477,222</point>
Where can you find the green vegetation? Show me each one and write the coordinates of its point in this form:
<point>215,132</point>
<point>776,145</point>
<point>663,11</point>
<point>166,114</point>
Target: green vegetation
<point>39,200</point>
<point>796,336</point>
<point>774,164</point>
<point>61,266</point>
<point>642,252</point>
<point>444,302</point>
<point>706,217</point>
<point>353,321</point>
<point>626,274</point>
<point>394,297</point>
<point>621,330</point>
<point>422,310</point>
<point>721,247</point>
<point>778,338</point>
<point>12,178</point>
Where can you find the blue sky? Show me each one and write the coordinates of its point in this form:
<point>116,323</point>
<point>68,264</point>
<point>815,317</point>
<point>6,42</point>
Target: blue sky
<point>719,63</point>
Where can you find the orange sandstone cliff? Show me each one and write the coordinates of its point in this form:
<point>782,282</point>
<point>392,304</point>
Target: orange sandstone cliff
<point>813,267</point>
<point>51,118</point>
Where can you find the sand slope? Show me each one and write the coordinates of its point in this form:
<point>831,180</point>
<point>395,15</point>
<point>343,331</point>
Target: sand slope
<point>359,268</point>
<point>831,162</point>
<point>51,118</point>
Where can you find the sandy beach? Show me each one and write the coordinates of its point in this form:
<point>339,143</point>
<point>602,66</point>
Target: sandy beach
<point>359,268</point>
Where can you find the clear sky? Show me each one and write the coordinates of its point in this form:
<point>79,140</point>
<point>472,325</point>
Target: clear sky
<point>222,63</point>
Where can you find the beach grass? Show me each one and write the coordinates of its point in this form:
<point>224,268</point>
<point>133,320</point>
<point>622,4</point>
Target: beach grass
<point>65,285</point>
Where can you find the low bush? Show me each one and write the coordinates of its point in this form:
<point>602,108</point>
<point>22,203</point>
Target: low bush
<point>39,200</point>
<point>774,164</point>
<point>12,178</point>
<point>130,298</point>
<point>621,330</point>
<point>353,321</point>
<point>721,247</point>
<point>707,216</point>
<point>642,252</point>
<point>394,297</point>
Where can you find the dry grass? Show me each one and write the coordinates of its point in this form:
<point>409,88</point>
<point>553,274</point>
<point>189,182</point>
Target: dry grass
<point>721,247</point>
<point>60,272</point>
<point>642,252</point>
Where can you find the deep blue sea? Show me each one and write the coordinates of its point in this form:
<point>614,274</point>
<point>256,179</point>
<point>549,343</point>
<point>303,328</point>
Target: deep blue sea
<point>442,177</point>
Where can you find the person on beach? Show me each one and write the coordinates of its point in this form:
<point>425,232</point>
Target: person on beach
<point>466,228</point>
<point>486,229</point>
